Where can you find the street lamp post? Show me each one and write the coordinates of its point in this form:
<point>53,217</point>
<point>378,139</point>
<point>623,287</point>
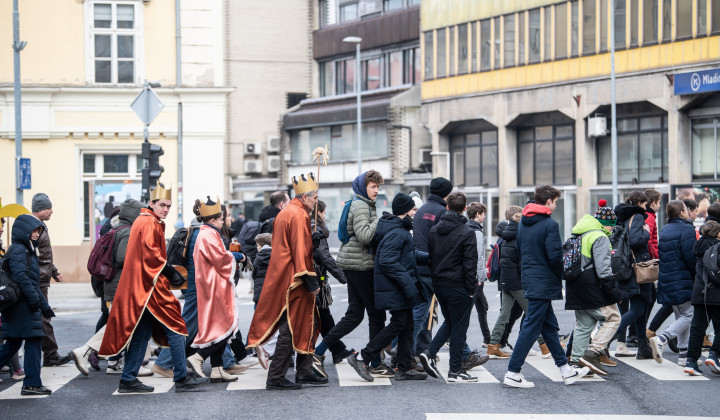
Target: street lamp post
<point>613,109</point>
<point>358,77</point>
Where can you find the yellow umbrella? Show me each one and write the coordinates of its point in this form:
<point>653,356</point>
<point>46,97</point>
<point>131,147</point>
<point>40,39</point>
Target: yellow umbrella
<point>12,210</point>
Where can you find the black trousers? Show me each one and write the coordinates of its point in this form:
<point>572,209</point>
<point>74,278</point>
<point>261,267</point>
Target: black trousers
<point>214,352</point>
<point>702,316</point>
<point>104,313</point>
<point>660,316</point>
<point>400,326</point>
<point>481,306</point>
<point>238,347</point>
<point>327,323</point>
<point>49,343</point>
<point>283,353</point>
<point>361,299</point>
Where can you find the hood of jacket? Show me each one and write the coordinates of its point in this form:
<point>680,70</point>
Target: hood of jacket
<point>625,211</point>
<point>436,199</point>
<point>359,187</point>
<point>194,222</point>
<point>23,227</point>
<point>594,229</point>
<point>475,225</point>
<point>129,211</point>
<point>509,231</point>
<point>390,222</point>
<point>533,213</point>
<point>703,244</point>
<point>449,222</point>
<point>268,212</point>
<point>501,226</point>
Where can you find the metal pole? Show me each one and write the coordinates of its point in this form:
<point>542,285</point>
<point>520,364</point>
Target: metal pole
<point>358,86</point>
<point>180,164</point>
<point>17,47</point>
<point>613,108</point>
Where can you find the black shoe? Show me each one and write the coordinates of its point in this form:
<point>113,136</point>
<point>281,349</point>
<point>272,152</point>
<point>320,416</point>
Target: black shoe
<point>673,345</point>
<point>311,380</point>
<point>35,390</point>
<point>644,353</point>
<point>632,341</point>
<point>135,385</point>
<point>474,360</point>
<point>58,362</point>
<point>190,383</point>
<point>360,367</point>
<point>282,385</point>
<point>337,358</point>
<point>428,364</point>
<point>409,375</point>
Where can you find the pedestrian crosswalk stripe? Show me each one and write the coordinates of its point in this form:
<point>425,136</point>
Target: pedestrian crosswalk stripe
<point>547,367</point>
<point>484,377</point>
<point>52,377</point>
<point>666,371</point>
<point>534,416</point>
<point>348,377</point>
<point>253,378</point>
<point>160,383</point>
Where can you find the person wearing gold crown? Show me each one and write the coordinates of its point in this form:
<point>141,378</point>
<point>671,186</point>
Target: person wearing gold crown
<point>144,306</point>
<point>214,280</point>
<point>287,302</point>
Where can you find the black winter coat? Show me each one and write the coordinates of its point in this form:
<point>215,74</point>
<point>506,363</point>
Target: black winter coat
<point>322,257</point>
<point>541,249</point>
<point>396,279</point>
<point>699,296</point>
<point>509,258</point>
<point>638,240</point>
<point>453,253</point>
<point>591,291</point>
<point>677,262</point>
<point>260,266</point>
<point>427,216</point>
<point>24,319</point>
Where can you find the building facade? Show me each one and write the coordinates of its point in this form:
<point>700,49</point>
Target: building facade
<point>83,139</point>
<point>517,94</point>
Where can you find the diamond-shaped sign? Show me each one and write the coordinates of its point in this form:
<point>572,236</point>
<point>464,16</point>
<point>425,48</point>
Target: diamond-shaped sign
<point>147,106</point>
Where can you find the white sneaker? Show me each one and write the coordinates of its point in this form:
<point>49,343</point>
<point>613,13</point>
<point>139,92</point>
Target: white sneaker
<point>145,372</point>
<point>657,344</point>
<point>116,367</point>
<point>249,361</point>
<point>263,357</point>
<point>575,375</point>
<point>517,380</point>
<point>530,353</point>
<point>622,351</point>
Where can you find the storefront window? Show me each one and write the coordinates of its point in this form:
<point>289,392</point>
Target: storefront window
<point>546,155</point>
<point>474,159</point>
<point>705,148</point>
<point>341,140</point>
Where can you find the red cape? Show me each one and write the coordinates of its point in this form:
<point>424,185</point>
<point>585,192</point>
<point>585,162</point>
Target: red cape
<point>142,286</point>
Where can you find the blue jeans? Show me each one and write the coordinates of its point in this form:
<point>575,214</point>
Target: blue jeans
<point>456,306</point>
<point>138,344</point>
<point>190,316</point>
<point>420,317</point>
<point>32,359</point>
<point>539,320</point>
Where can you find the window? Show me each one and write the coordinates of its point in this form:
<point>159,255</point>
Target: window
<point>574,29</point>
<point>475,159</point>
<point>428,55</point>
<point>451,50</point>
<point>548,32</point>
<point>702,18</point>
<point>684,18</point>
<point>705,152</point>
<point>521,38</point>
<point>650,21</point>
<point>371,74</point>
<point>546,155</point>
<point>667,20</point>
<point>462,49</point>
<point>604,20</point>
<point>474,47</point>
<point>634,22</point>
<point>441,52</point>
<point>348,11</point>
<point>620,24</point>
<point>561,31</point>
<point>115,164</point>
<point>394,75</point>
<point>411,65</point>
<point>715,10</point>
<point>589,29</point>
<point>389,5</point>
<point>113,38</point>
<point>345,76</point>
<point>486,43</point>
<point>496,42</point>
<point>642,151</point>
<point>326,78</point>
<point>534,36</point>
<point>342,140</point>
<point>509,39</point>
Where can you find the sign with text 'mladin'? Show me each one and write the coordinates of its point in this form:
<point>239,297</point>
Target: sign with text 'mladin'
<point>697,82</point>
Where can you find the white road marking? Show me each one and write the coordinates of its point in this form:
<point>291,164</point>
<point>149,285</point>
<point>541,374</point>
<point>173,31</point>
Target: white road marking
<point>526,416</point>
<point>253,378</point>
<point>665,371</point>
<point>547,367</point>
<point>348,377</point>
<point>52,377</point>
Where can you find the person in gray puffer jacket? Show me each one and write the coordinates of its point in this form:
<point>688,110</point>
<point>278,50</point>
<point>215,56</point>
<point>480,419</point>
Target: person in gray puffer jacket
<point>356,258</point>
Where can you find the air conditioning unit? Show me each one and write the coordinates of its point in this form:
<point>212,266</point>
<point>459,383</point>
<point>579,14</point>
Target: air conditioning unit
<point>252,148</point>
<point>597,126</point>
<point>273,163</point>
<point>273,144</point>
<point>253,166</point>
<point>425,156</point>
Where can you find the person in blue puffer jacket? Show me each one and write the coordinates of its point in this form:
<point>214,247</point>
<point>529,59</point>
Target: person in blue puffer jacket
<point>675,282</point>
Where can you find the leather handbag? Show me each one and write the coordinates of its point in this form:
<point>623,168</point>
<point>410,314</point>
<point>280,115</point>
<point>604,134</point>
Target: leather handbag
<point>646,271</point>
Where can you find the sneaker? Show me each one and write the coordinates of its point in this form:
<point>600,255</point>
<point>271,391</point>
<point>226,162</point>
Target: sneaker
<point>591,360</point>
<point>35,390</point>
<point>94,360</point>
<point>144,372</point>
<point>577,365</point>
<point>632,341</point>
<point>428,364</point>
<point>495,352</point>
<point>313,380</point>
<point>18,374</point>
<point>116,367</point>
<point>127,387</point>
<point>517,380</point>
<point>263,357</point>
<point>657,344</point>
<point>282,385</point>
<point>622,351</point>
<point>381,371</point>
<point>337,358</point>
<point>682,357</point>
<point>361,367</point>
<point>318,366</point>
<point>415,364</point>
<point>168,373</point>
<point>474,360</point>
<point>605,360</point>
<point>57,362</point>
<point>712,362</point>
<point>692,368</point>
<point>673,345</point>
<point>531,352</point>
<point>392,351</point>
<point>545,351</point>
<point>461,376</point>
<point>410,375</point>
<point>190,383</point>
<point>5,368</point>
<point>248,361</point>
<point>575,375</point>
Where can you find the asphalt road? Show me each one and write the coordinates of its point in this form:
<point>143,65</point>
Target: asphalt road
<point>645,388</point>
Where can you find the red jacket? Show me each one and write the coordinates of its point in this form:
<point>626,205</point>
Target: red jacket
<point>653,242</point>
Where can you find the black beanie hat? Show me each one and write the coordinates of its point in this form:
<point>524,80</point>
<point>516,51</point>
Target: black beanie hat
<point>402,203</point>
<point>441,187</point>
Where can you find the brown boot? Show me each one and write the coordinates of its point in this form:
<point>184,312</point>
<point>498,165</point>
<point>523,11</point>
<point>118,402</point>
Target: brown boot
<point>495,353</point>
<point>605,360</point>
<point>649,334</point>
<point>545,351</point>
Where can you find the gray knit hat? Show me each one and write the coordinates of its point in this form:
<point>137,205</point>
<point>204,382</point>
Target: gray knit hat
<point>41,202</point>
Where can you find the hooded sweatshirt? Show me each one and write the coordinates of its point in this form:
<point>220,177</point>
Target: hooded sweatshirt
<point>357,254</point>
<point>129,211</point>
<point>541,251</point>
<point>452,246</point>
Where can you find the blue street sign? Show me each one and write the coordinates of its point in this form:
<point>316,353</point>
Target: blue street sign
<point>24,178</point>
<point>697,82</point>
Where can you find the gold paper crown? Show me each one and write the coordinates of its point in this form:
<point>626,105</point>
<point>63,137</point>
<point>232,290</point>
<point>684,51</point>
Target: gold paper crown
<point>207,210</point>
<point>160,193</point>
<point>305,184</point>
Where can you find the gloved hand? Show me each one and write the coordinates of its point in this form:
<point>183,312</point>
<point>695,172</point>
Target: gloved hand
<point>311,283</point>
<point>175,278</point>
<point>239,257</point>
<point>316,237</point>
<point>48,313</point>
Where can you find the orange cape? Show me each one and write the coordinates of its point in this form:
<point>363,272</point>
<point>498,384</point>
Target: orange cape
<point>142,286</point>
<point>283,290</point>
<point>214,272</point>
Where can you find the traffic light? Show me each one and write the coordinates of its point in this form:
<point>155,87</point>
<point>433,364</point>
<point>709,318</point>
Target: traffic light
<point>151,167</point>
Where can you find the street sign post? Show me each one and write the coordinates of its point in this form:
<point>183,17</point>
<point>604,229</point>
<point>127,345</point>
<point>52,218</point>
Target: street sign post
<point>147,105</point>
<point>24,175</point>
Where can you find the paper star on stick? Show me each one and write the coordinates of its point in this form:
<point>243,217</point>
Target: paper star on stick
<point>321,155</point>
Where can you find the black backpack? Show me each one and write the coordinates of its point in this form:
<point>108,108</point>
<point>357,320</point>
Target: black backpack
<point>10,293</point>
<point>177,248</point>
<point>252,229</point>
<point>621,259</point>
<point>711,269</point>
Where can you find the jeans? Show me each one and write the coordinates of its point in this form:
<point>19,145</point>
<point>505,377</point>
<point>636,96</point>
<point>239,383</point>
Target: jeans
<point>481,306</point>
<point>400,326</point>
<point>660,316</point>
<point>32,357</point>
<point>539,319</point>
<point>422,335</point>
<point>456,306</point>
<point>586,319</point>
<point>283,353</point>
<point>190,316</point>
<point>680,328</point>
<point>138,344</point>
<point>635,315</point>
<point>702,316</point>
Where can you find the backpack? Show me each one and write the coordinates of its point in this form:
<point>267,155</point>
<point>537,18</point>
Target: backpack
<point>571,256</point>
<point>250,230</point>
<point>10,293</point>
<point>621,260</point>
<point>343,234</point>
<point>178,246</point>
<point>492,266</point>
<point>101,263</point>
<point>711,273</point>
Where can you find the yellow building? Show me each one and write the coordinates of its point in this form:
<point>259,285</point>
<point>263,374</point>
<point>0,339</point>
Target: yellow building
<point>84,63</point>
<point>517,94</point>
